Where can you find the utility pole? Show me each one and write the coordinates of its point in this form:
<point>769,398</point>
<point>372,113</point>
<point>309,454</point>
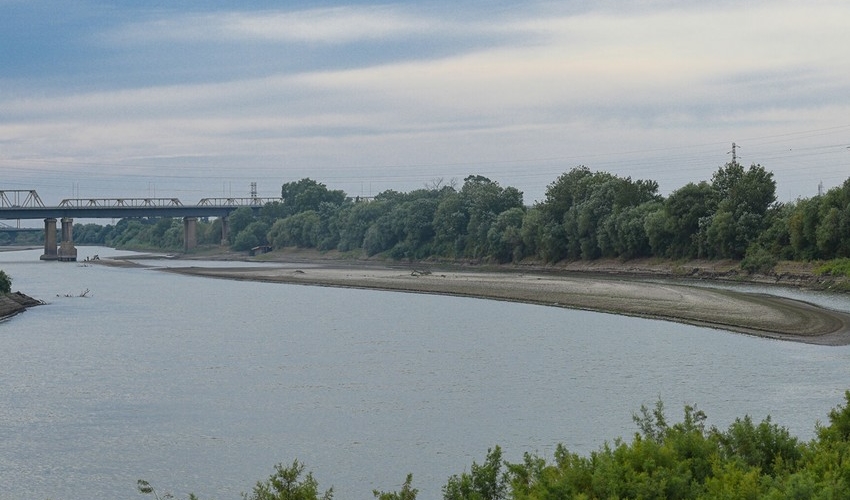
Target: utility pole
<point>734,153</point>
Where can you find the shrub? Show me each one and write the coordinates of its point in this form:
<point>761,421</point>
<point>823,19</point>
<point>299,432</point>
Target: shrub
<point>5,282</point>
<point>759,260</point>
<point>835,267</point>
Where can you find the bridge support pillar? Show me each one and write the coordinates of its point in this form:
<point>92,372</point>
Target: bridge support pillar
<point>50,252</point>
<point>67,250</point>
<point>225,231</point>
<point>190,233</point>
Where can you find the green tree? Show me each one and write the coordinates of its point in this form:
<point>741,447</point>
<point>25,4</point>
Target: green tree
<point>450,224</point>
<point>744,199</point>
<point>5,282</point>
<point>567,190</point>
<point>482,482</point>
<point>765,446</point>
<point>531,231</point>
<point>504,239</point>
<point>413,227</point>
<point>624,233</point>
<point>287,483</point>
<point>381,236</point>
<point>482,200</point>
<point>685,207</point>
<point>252,235</point>
<point>802,227</point>
<point>238,220</point>
<point>355,220</point>
<point>406,493</point>
<point>301,230</point>
<point>307,194</point>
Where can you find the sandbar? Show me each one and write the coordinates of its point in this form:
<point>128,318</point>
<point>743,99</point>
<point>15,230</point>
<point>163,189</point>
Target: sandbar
<point>762,315</point>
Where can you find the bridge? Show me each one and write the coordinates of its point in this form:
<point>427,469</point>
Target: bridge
<point>26,204</point>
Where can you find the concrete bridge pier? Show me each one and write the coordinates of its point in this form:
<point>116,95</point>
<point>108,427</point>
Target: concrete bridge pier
<point>67,250</point>
<point>190,233</point>
<point>225,231</point>
<point>50,252</point>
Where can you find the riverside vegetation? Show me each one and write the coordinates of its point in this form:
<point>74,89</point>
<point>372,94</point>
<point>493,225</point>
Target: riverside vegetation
<point>685,460</point>
<point>585,215</point>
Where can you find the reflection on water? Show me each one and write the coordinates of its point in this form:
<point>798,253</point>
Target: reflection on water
<point>203,385</point>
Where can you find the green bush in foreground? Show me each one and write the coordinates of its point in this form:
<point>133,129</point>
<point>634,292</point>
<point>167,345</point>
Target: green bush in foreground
<point>685,460</point>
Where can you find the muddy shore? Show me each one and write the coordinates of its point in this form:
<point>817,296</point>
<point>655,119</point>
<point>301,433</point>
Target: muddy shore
<point>15,303</point>
<point>637,293</point>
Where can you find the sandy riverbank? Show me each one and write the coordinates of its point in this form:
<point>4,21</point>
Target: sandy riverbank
<point>15,303</point>
<point>754,314</point>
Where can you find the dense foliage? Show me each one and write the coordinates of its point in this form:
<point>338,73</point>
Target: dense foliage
<point>5,282</point>
<point>584,215</point>
<point>685,460</point>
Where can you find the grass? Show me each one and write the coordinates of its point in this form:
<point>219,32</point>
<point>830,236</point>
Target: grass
<point>835,267</point>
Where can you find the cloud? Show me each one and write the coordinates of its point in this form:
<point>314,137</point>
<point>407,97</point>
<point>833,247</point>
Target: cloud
<point>337,25</point>
<point>543,83</point>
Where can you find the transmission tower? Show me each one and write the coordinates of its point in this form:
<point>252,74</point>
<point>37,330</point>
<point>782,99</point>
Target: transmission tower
<point>734,152</point>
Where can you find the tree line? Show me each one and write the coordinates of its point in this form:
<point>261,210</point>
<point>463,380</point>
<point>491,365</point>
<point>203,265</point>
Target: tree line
<point>686,461</point>
<point>585,215</point>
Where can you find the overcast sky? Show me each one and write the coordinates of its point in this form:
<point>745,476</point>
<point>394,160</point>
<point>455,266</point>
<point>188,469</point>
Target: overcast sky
<point>196,99</point>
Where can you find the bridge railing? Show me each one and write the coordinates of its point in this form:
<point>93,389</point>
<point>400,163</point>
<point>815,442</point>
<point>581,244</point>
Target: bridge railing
<point>236,202</point>
<point>119,202</point>
<point>14,198</point>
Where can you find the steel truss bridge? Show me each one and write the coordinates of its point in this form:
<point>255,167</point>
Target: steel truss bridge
<point>21,204</point>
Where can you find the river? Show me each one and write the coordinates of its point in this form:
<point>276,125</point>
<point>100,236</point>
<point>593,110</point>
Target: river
<point>203,385</point>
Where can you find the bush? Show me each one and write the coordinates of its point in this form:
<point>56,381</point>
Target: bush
<point>759,260</point>
<point>836,267</point>
<point>5,282</point>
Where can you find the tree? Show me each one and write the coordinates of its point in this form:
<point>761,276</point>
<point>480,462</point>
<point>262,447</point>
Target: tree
<point>483,482</point>
<point>684,209</point>
<point>582,202</point>
<point>254,234</point>
<point>504,238</point>
<point>625,233</point>
<point>238,220</point>
<point>767,446</point>
<point>355,220</point>
<point>450,222</point>
<point>301,230</point>
<point>380,236</point>
<point>481,201</point>
<point>744,199</point>
<point>406,493</point>
<point>564,192</point>
<point>413,227</point>
<point>5,282</point>
<point>307,194</point>
<point>286,483</point>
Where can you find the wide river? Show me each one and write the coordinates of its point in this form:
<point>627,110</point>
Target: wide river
<point>203,385</point>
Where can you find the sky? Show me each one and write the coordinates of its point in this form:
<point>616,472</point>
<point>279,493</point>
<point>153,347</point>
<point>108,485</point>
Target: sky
<point>197,99</point>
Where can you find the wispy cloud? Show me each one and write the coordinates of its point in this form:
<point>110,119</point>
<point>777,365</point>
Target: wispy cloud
<point>338,25</point>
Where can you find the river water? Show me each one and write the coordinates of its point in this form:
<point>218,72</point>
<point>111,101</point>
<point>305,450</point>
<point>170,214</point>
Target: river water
<point>203,385</point>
